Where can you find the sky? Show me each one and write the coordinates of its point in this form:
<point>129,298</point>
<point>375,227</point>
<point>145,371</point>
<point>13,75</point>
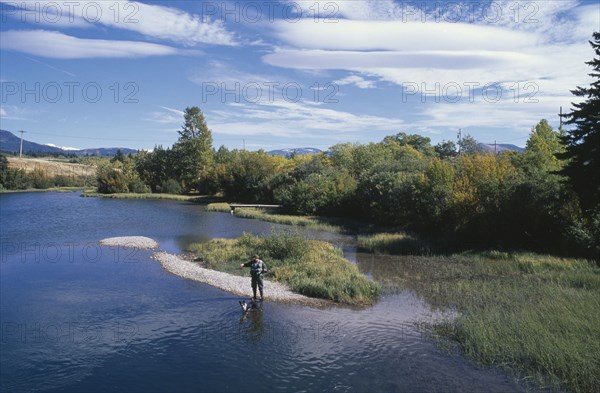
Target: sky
<point>284,74</point>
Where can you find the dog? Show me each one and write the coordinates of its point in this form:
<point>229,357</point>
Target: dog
<point>253,305</point>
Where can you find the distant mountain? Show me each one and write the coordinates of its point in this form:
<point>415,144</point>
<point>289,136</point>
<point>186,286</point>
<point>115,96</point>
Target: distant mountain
<point>299,151</point>
<point>500,147</point>
<point>11,143</point>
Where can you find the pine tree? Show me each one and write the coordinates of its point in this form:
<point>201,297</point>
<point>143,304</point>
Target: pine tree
<point>583,142</point>
<point>193,152</point>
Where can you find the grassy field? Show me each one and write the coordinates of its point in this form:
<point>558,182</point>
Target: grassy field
<point>310,267</point>
<point>52,167</point>
<point>537,315</point>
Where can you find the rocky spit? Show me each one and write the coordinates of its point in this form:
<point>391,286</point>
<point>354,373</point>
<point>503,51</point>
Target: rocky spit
<point>193,271</point>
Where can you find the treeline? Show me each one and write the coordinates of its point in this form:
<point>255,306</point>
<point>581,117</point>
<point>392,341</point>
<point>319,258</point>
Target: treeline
<point>19,179</point>
<point>471,199</point>
<point>546,198</point>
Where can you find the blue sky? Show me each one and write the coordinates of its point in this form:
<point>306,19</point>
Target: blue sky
<point>290,73</point>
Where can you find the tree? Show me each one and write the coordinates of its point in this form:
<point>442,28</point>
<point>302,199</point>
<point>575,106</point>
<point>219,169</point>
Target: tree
<point>445,149</point>
<point>418,142</point>
<point>3,170</point>
<point>469,145</point>
<point>542,147</point>
<point>119,156</point>
<point>583,142</point>
<point>193,151</point>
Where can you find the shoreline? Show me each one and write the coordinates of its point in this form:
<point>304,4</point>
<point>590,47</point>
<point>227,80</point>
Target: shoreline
<point>236,285</point>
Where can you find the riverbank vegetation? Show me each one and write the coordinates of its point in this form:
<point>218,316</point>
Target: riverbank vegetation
<point>131,195</point>
<point>455,201</point>
<point>43,174</point>
<point>309,267</point>
<point>534,314</point>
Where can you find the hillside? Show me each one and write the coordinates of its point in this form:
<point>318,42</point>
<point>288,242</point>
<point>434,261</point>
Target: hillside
<point>299,151</point>
<point>11,143</point>
<point>500,147</point>
<point>52,167</point>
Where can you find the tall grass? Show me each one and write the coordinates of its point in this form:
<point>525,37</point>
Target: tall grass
<point>269,216</point>
<point>392,243</point>
<point>148,195</point>
<point>535,314</point>
<point>218,207</point>
<point>310,267</point>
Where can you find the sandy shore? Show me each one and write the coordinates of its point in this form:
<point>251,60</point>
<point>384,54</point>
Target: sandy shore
<point>234,284</point>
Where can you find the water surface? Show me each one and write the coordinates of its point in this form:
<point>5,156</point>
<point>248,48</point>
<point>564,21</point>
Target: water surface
<point>78,317</point>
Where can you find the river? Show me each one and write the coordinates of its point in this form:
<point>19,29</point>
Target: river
<point>80,317</point>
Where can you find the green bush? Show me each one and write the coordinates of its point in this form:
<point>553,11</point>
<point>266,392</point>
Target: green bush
<point>171,186</point>
<point>111,180</point>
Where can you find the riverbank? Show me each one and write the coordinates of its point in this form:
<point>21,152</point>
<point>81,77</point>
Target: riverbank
<point>132,195</point>
<point>536,315</point>
<point>49,189</point>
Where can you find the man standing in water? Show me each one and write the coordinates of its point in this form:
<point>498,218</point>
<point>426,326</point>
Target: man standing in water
<point>257,268</point>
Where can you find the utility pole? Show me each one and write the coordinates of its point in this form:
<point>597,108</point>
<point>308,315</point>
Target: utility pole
<point>459,136</point>
<point>21,148</point>
<point>560,116</point>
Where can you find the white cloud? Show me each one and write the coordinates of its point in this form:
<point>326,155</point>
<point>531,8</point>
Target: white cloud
<point>12,112</point>
<point>166,116</point>
<point>57,45</point>
<point>281,118</point>
<point>399,36</point>
<point>357,81</point>
<point>439,60</point>
<point>538,52</point>
<point>160,22</point>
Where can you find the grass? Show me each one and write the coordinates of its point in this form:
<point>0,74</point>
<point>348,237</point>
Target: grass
<point>330,224</point>
<point>392,243</point>
<point>218,207</point>
<point>269,216</point>
<point>132,195</point>
<point>309,267</point>
<point>49,189</point>
<point>535,314</point>
<point>52,166</point>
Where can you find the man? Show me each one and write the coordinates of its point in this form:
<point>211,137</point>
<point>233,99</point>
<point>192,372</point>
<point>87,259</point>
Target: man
<point>257,268</point>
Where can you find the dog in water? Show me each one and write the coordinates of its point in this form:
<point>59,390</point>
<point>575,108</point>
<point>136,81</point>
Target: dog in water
<point>253,305</point>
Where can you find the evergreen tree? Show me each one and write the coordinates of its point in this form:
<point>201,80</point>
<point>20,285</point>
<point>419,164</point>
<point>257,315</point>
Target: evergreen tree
<point>193,151</point>
<point>583,142</point>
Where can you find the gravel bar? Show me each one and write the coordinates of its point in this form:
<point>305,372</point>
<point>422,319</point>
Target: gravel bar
<point>230,283</point>
<point>130,241</point>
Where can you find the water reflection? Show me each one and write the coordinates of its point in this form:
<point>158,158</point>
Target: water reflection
<point>252,324</point>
